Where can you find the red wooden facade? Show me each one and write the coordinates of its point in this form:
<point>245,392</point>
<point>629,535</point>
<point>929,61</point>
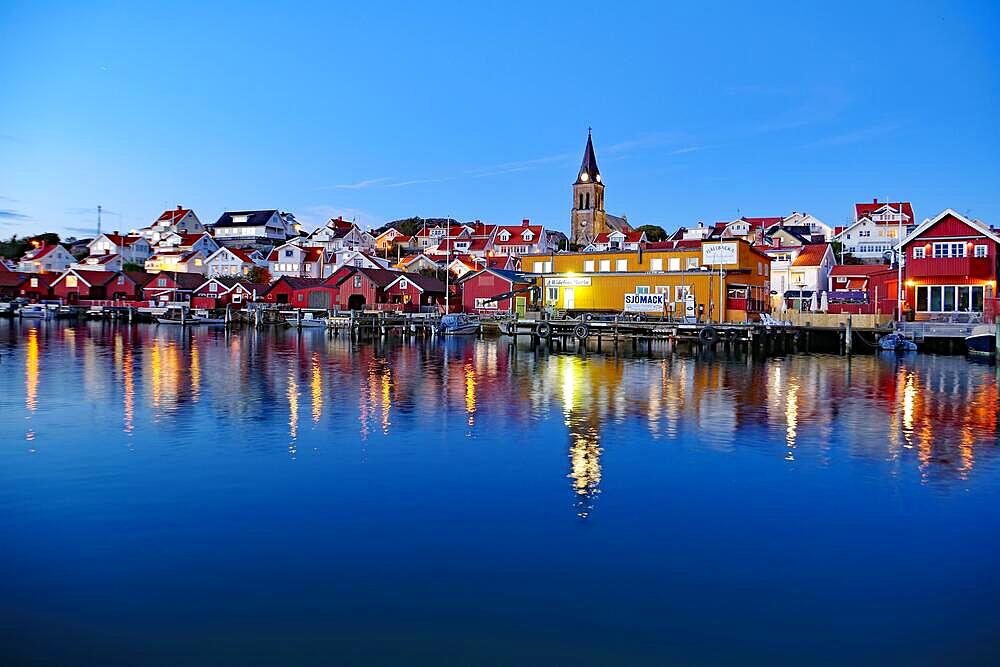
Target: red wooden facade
<point>951,268</point>
<point>171,286</point>
<point>485,284</point>
<point>75,286</point>
<point>879,285</point>
<point>31,286</point>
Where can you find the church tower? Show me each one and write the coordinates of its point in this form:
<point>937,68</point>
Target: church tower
<point>588,218</point>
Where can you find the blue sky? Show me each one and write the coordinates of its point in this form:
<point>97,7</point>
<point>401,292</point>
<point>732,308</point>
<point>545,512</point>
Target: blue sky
<point>475,110</point>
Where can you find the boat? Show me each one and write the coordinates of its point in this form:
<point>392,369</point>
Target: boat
<point>308,321</point>
<point>7,309</point>
<point>178,315</point>
<point>204,317</point>
<point>458,324</point>
<point>982,341</point>
<point>896,342</point>
<point>67,313</point>
<point>36,312</point>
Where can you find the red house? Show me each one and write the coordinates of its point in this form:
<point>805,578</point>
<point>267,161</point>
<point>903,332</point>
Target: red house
<point>360,288</point>
<point>171,286</point>
<point>32,286</point>
<point>220,292</point>
<point>288,289</point>
<point>951,268</point>
<point>863,289</point>
<point>75,285</point>
<point>482,285</point>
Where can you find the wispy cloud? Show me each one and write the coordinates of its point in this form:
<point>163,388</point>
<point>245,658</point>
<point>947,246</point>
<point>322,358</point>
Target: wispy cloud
<point>360,185</point>
<point>419,181</point>
<point>854,136</point>
<point>12,215</point>
<point>316,215</point>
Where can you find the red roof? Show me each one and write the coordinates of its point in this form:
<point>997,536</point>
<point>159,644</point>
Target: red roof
<point>13,278</point>
<point>811,254</point>
<point>173,215</point>
<point>38,253</point>
<point>242,254</point>
<point>516,232</point>
<point>862,210</point>
<point>761,222</point>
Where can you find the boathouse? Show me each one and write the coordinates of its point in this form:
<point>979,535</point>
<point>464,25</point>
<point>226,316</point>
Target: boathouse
<point>74,286</point>
<point>951,269</point>
<point>479,287</point>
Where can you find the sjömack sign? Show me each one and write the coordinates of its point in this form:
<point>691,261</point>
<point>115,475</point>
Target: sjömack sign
<point>644,303</point>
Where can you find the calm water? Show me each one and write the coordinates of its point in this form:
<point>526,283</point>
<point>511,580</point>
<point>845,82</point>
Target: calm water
<point>169,497</point>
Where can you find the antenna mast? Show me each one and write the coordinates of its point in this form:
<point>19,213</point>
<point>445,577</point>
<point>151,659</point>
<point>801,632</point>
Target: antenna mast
<point>98,219</point>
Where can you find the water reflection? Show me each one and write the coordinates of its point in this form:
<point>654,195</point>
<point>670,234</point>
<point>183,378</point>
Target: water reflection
<point>932,417</point>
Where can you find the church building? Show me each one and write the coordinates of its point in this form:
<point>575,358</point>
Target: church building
<point>588,217</point>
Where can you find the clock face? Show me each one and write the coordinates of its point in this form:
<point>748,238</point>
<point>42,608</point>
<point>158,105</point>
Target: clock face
<point>598,178</point>
<point>584,176</point>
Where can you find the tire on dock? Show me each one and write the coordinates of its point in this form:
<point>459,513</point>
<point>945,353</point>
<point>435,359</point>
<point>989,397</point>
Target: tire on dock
<point>544,329</point>
<point>581,331</point>
<point>708,336</point>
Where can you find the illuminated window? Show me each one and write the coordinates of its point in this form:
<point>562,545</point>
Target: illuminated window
<point>34,282</point>
<point>674,263</point>
<point>605,265</point>
<point>621,265</point>
<point>588,266</point>
<point>71,281</point>
<point>656,264</point>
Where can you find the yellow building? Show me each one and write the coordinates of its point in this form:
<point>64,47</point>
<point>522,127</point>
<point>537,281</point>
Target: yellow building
<point>685,273</point>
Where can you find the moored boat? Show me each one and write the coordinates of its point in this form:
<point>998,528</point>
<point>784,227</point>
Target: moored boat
<point>309,321</point>
<point>896,342</point>
<point>982,341</point>
<point>36,312</point>
<point>458,324</point>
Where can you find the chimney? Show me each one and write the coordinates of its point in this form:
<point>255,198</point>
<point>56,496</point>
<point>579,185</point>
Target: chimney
<point>180,208</point>
<point>875,200</point>
<point>525,222</point>
<point>115,232</point>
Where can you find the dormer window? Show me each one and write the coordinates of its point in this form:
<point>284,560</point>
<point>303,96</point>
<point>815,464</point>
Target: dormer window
<point>504,236</point>
<point>527,235</point>
<point>240,218</point>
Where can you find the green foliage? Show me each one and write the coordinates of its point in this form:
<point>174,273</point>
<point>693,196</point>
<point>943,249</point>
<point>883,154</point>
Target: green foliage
<point>132,266</point>
<point>258,275</point>
<point>14,247</point>
<point>654,233</point>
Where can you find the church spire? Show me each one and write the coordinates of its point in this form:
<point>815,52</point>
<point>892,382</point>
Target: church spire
<point>588,169</point>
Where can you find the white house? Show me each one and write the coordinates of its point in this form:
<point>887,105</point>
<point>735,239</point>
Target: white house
<point>877,229</point>
<point>339,234</point>
<point>45,258</point>
<point>180,220</point>
<point>202,241</point>
<point>799,271</point>
<point>181,261</point>
<point>233,262</point>
<point>356,258</point>
<point>112,262</point>
<point>132,248</point>
<point>523,239</point>
<point>262,229</point>
<point>294,261</point>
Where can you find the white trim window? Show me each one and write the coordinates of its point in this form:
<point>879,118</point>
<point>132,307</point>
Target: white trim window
<point>656,264</point>
<point>981,251</point>
<point>621,265</point>
<point>674,263</point>
<point>949,249</point>
<point>588,266</point>
<point>918,252</point>
<point>605,266</point>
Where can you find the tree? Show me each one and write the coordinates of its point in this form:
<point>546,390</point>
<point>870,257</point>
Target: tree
<point>654,233</point>
<point>132,266</point>
<point>259,275</point>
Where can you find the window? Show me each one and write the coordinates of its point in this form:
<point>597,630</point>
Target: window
<point>538,267</point>
<point>981,251</point>
<point>681,292</point>
<point>588,200</point>
<point>692,263</point>
<point>403,284</point>
<point>357,281</point>
<point>289,253</point>
<point>121,280</point>
<point>307,267</point>
<point>656,264</point>
<point>161,282</point>
<point>581,201</point>
<point>674,263</point>
<point>864,233</point>
<point>605,265</point>
<point>918,253</point>
<point>300,297</point>
<point>553,296</point>
<point>276,267</point>
<point>197,262</point>
<point>34,282</point>
<point>588,266</point>
<point>621,265</point>
<point>949,249</point>
<point>71,281</point>
<point>213,287</point>
<point>642,289</point>
<point>760,269</point>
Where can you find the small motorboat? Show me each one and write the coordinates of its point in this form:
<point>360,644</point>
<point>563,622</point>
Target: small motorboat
<point>310,321</point>
<point>982,341</point>
<point>204,317</point>
<point>67,313</point>
<point>458,324</point>
<point>178,315</point>
<point>896,342</point>
<point>7,309</point>
<point>36,312</point>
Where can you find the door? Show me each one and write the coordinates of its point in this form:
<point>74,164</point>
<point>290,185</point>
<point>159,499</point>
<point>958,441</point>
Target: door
<point>569,298</point>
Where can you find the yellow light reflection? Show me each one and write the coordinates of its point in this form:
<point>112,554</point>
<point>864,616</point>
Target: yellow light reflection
<point>470,393</point>
<point>791,418</point>
<point>195,372</point>
<point>293,411</point>
<point>31,371</point>
<point>316,385</point>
